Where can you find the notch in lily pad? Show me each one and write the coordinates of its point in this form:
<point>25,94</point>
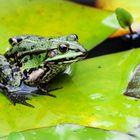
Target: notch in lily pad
<point>124,18</point>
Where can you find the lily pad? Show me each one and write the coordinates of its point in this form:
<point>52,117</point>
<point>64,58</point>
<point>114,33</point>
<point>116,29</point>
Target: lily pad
<point>52,18</point>
<point>70,132</point>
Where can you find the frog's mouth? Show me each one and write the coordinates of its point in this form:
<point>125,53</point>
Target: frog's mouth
<point>69,57</point>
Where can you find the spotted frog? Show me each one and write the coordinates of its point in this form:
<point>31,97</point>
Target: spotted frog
<point>33,61</point>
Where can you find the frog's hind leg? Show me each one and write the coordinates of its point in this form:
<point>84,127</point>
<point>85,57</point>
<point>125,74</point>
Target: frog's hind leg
<point>15,97</point>
<point>2,87</point>
<point>19,98</point>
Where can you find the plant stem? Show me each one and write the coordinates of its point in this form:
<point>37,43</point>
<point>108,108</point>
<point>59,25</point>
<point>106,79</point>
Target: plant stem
<point>130,29</point>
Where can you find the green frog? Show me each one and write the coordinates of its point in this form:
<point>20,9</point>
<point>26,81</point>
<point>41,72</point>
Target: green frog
<point>38,60</point>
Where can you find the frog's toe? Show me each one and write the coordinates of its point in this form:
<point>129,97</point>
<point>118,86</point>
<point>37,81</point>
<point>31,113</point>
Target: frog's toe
<point>20,99</point>
<point>46,94</point>
<point>43,93</point>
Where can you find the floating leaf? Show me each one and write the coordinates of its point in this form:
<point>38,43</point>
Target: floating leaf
<point>129,5</point>
<point>69,132</point>
<point>125,19</point>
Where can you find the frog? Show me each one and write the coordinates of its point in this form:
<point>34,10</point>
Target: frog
<point>52,55</point>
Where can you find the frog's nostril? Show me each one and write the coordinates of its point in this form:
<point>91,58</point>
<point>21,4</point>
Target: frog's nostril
<point>85,53</point>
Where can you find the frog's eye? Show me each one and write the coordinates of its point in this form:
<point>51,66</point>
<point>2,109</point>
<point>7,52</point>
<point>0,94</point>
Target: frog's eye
<point>72,37</point>
<point>63,47</point>
<point>15,40</point>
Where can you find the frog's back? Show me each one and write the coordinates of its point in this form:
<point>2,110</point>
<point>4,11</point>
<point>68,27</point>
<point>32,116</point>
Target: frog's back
<point>26,43</point>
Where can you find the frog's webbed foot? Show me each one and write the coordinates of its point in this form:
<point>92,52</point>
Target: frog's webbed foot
<point>19,98</point>
<point>49,90</point>
<point>45,93</point>
<point>15,97</point>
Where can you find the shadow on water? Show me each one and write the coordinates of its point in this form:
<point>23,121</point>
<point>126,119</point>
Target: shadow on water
<point>114,45</point>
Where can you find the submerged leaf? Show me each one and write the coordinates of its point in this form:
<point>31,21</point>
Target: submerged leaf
<point>133,88</point>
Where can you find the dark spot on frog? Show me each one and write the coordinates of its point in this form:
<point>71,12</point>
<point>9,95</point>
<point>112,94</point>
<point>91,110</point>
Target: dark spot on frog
<point>19,39</point>
<point>15,74</point>
<point>50,38</point>
<point>19,64</point>
<point>32,47</point>
<point>27,37</point>
<point>41,38</point>
<point>39,56</point>
<point>15,69</point>
<point>12,62</point>
<point>6,67</point>
<point>25,60</point>
<point>7,79</point>
<point>25,71</point>
<point>31,70</point>
<point>25,74</point>
<point>23,49</point>
<point>31,56</point>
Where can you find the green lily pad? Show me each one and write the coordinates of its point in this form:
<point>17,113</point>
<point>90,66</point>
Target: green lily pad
<point>51,18</point>
<point>70,132</point>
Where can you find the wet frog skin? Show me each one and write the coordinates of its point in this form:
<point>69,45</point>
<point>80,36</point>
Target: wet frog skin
<point>51,55</point>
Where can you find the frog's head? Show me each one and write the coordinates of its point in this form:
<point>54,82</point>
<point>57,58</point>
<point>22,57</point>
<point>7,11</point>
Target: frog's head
<point>65,50</point>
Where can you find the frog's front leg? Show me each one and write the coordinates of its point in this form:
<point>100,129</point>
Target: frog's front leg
<point>45,90</point>
<point>34,79</point>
